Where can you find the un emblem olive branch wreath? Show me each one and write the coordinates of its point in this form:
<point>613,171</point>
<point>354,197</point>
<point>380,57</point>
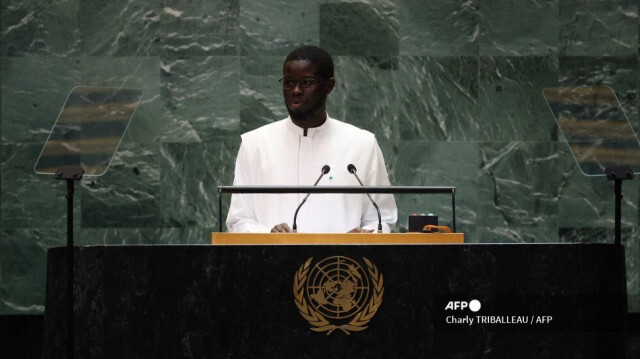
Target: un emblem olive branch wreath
<point>318,321</point>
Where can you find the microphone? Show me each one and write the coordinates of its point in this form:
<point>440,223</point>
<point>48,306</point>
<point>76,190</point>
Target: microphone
<point>352,169</point>
<point>325,169</point>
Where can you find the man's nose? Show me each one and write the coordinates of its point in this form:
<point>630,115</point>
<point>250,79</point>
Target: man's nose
<point>297,88</point>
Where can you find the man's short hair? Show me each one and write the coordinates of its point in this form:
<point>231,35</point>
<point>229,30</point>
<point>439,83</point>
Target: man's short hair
<point>316,55</point>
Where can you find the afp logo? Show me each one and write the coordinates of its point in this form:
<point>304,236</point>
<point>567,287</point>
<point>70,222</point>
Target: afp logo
<point>473,305</point>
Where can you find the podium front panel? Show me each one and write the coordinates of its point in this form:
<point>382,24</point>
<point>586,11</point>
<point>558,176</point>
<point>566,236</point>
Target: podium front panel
<point>203,301</point>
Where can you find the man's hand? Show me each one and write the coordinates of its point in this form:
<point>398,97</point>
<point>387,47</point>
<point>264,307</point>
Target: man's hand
<point>281,228</point>
<point>360,230</point>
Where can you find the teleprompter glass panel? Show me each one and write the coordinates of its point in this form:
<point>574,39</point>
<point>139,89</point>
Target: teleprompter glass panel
<point>595,127</point>
<point>89,129</point>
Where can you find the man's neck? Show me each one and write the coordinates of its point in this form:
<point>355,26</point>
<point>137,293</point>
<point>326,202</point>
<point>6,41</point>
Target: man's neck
<point>314,122</point>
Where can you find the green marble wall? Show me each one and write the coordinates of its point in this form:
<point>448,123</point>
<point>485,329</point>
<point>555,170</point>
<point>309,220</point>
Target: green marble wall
<point>452,89</point>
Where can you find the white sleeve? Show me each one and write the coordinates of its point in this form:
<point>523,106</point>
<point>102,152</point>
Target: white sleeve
<point>241,216</point>
<point>377,176</point>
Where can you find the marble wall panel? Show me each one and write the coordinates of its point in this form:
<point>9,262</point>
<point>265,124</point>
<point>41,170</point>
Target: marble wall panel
<point>598,28</point>
<point>365,94</point>
<point>594,235</point>
<point>438,98</point>
<point>438,163</point>
<point>589,201</point>
<point>201,98</point>
<point>30,200</point>
<point>128,195</point>
<point>261,99</point>
<point>359,28</point>
<point>190,176</point>
<point>276,27</point>
<point>522,28</point>
<point>23,265</point>
<point>33,92</point>
<point>39,28</point>
<point>154,28</point>
<point>510,105</point>
<point>514,234</point>
<point>143,236</point>
<point>521,186</point>
<point>430,28</point>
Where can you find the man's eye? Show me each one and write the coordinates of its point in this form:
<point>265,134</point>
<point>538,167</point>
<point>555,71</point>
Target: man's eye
<point>308,82</point>
<point>289,82</point>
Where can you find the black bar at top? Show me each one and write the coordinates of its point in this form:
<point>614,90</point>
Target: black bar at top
<point>336,189</point>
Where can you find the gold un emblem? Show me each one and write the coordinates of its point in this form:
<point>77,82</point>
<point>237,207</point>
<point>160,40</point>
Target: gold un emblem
<point>337,293</point>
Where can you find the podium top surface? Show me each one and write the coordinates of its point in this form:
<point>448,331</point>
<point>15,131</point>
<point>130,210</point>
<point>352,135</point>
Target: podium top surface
<point>334,238</point>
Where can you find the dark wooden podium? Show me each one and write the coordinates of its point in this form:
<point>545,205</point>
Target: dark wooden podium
<point>243,300</point>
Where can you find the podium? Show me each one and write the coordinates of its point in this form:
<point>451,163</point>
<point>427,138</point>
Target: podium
<point>241,298</point>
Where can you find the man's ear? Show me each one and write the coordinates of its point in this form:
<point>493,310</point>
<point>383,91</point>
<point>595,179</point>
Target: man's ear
<point>331,83</point>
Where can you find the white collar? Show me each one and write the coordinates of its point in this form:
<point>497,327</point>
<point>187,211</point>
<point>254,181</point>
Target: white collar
<point>312,131</point>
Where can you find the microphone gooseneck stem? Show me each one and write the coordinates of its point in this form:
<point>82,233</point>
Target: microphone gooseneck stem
<point>379,217</point>
<point>325,170</point>
<point>352,169</point>
<point>295,216</point>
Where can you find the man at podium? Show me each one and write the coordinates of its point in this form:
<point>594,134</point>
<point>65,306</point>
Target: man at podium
<point>297,150</point>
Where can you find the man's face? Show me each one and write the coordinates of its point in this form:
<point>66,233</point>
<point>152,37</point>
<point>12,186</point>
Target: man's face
<point>303,103</point>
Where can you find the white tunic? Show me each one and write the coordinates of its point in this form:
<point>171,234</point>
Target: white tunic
<point>279,154</point>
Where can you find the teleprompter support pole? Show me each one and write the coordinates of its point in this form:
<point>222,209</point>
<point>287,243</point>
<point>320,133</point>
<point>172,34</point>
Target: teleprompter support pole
<point>618,174</point>
<point>70,174</point>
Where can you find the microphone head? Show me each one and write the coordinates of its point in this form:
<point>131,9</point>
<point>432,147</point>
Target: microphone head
<point>325,169</point>
<point>351,168</point>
